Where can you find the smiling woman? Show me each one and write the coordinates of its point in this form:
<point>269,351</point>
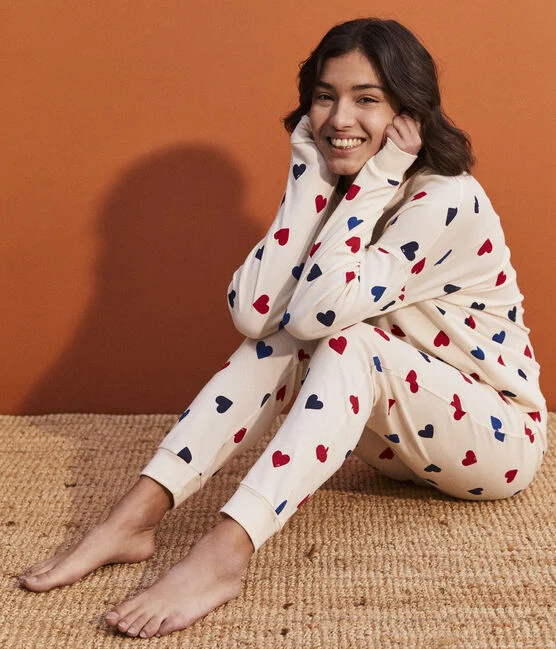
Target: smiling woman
<point>407,78</point>
<point>382,300</point>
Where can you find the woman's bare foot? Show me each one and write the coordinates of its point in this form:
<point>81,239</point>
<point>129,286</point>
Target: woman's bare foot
<point>209,576</point>
<point>126,536</point>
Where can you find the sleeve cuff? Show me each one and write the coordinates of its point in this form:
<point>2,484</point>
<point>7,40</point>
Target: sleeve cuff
<point>391,161</point>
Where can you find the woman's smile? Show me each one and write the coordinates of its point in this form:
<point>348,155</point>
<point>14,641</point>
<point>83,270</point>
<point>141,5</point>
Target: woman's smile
<point>346,144</point>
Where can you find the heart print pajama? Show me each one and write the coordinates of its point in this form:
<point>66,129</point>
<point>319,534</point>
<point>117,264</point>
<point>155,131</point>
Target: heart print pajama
<point>393,316</point>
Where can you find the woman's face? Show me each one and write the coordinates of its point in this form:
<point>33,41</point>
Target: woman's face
<point>349,112</point>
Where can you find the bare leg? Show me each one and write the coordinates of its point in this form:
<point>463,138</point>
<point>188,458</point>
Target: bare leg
<point>126,536</point>
<point>207,577</point>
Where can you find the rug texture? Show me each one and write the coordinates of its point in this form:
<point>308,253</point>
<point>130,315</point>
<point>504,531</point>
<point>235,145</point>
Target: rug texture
<point>367,562</point>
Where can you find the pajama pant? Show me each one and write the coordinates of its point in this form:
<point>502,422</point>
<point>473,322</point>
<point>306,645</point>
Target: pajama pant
<point>362,390</point>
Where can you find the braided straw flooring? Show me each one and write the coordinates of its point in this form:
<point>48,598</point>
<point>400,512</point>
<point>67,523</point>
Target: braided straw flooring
<point>367,562</point>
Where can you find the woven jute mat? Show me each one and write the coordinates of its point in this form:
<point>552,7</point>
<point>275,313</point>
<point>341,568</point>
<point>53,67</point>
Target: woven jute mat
<point>367,562</point>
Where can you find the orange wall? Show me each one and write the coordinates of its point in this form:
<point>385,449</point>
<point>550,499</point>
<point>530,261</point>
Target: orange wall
<point>143,157</point>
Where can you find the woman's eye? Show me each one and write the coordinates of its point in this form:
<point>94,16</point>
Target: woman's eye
<point>368,100</point>
<point>323,97</point>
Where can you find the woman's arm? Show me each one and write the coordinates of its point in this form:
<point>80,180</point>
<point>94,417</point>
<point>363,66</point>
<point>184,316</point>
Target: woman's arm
<point>346,282</point>
<point>262,287</point>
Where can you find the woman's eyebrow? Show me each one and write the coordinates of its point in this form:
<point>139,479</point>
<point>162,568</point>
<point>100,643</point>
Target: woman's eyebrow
<point>361,86</point>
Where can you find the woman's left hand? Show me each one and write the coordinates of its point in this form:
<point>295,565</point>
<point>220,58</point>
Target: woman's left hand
<point>405,133</point>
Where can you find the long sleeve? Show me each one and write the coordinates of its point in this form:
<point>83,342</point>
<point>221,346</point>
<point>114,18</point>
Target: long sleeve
<point>262,287</point>
<point>346,280</point>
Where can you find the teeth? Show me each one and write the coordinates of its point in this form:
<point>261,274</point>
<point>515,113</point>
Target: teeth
<point>346,144</point>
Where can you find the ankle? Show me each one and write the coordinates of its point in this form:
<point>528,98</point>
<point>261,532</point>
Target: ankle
<point>145,504</point>
<point>237,540</point>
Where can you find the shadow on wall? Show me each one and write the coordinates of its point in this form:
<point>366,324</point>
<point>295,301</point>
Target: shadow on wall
<point>172,233</point>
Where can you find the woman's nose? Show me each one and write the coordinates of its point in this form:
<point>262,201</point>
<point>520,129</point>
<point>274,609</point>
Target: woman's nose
<point>342,116</point>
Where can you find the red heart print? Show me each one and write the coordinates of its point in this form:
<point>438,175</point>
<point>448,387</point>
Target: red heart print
<point>411,378</point>
<point>530,434</point>
<point>338,344</point>
<point>397,331</point>
<point>224,366</point>
<point>240,435</point>
<point>322,453</point>
<point>387,454</point>
<point>352,192</point>
<point>418,196</point>
<point>418,267</point>
<point>456,403</point>
<point>535,416</point>
<point>303,501</point>
<point>382,333</point>
<point>354,243</point>
<point>510,475</point>
<point>391,402</point>
<point>485,248</point>
<point>280,459</point>
<point>349,276</point>
<point>320,203</point>
<point>527,352</point>
<point>282,236</point>
<point>301,355</point>
<point>315,247</point>
<point>441,340</point>
<point>470,322</point>
<point>501,360</point>
<point>261,304</point>
<point>466,378</point>
<point>280,395</point>
<point>475,376</point>
<point>470,458</point>
<point>384,251</point>
<point>501,278</point>
<point>354,403</point>
<point>401,297</point>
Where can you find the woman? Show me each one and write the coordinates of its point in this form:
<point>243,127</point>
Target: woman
<point>383,292</point>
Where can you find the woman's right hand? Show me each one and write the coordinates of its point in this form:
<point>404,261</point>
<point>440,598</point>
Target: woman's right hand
<point>405,133</point>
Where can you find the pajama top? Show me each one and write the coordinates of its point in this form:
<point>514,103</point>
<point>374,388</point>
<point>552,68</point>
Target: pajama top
<point>425,259</point>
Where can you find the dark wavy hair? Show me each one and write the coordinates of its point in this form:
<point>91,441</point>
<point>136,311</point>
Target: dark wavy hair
<point>409,74</point>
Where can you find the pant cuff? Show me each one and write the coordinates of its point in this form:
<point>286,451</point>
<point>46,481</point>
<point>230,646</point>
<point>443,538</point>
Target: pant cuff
<point>253,512</point>
<point>169,470</point>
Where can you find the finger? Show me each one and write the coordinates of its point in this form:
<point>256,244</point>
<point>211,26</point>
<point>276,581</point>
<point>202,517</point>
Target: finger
<point>401,127</point>
<point>413,122</point>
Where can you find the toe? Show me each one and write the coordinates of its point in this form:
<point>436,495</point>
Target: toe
<point>128,620</point>
<point>172,623</point>
<point>151,627</point>
<point>125,623</point>
<point>121,612</point>
<point>42,582</point>
<point>137,625</point>
<point>37,568</point>
<point>112,618</point>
